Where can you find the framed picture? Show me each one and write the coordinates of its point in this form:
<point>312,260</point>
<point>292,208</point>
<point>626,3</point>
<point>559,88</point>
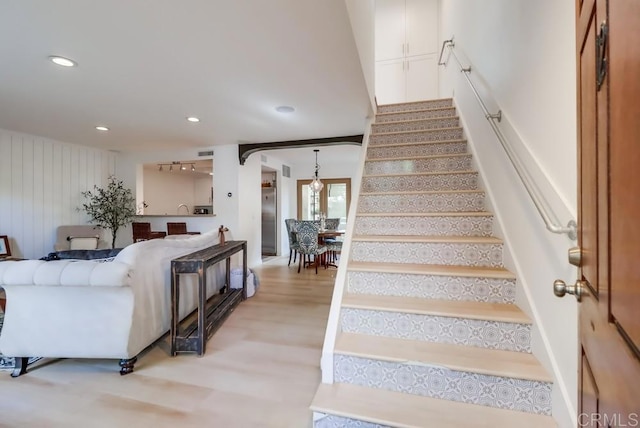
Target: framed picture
<point>5,250</point>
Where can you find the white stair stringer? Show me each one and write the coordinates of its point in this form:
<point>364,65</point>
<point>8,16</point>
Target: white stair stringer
<point>429,332</point>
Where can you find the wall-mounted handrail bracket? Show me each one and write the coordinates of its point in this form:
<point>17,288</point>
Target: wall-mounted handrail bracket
<point>444,45</point>
<point>542,206</point>
<point>497,115</point>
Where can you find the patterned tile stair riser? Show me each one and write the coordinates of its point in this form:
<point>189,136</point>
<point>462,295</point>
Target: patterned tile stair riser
<point>447,253</point>
<point>459,162</point>
<point>415,125</point>
<point>440,382</point>
<point>9,363</point>
<point>443,134</point>
<point>506,336</point>
<point>457,288</point>
<point>422,105</point>
<point>332,421</point>
<point>416,115</point>
<point>481,225</point>
<point>427,202</point>
<point>416,150</point>
<point>420,182</point>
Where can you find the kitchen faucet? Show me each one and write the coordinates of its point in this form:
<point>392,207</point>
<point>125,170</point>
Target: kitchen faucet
<point>183,205</point>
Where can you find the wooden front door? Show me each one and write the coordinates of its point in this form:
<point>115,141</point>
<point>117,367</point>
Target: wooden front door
<point>608,67</point>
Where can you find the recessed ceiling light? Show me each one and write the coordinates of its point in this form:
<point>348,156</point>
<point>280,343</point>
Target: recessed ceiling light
<point>193,119</point>
<point>60,60</point>
<point>285,109</point>
<point>102,128</point>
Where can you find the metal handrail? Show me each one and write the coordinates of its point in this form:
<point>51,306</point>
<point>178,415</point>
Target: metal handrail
<point>548,216</point>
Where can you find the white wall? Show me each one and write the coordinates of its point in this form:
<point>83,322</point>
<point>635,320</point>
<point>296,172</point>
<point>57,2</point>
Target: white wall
<point>362,18</point>
<point>40,184</point>
<point>523,60</point>
<point>164,191</point>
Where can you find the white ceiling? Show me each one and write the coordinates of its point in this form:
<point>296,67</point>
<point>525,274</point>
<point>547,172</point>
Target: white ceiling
<point>144,66</point>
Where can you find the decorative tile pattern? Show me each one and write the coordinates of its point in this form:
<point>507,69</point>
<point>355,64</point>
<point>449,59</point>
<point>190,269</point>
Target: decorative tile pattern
<point>489,290</point>
<point>415,125</point>
<point>428,182</point>
<point>332,421</point>
<point>406,166</point>
<point>422,202</point>
<point>459,331</point>
<point>439,382</point>
<point>439,253</point>
<point>414,150</point>
<point>430,226</point>
<point>446,134</point>
<point>416,115</point>
<point>422,105</point>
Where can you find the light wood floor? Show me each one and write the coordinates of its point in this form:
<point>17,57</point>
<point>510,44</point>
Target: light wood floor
<point>261,369</point>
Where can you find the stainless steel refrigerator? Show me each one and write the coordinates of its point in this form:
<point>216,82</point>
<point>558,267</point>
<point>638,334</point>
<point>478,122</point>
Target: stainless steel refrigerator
<point>269,221</point>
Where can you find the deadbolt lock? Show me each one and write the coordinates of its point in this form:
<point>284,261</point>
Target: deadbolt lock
<point>575,256</point>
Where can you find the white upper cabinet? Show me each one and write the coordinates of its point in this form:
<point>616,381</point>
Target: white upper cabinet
<point>422,27</point>
<point>390,29</point>
<point>405,28</point>
<point>406,37</point>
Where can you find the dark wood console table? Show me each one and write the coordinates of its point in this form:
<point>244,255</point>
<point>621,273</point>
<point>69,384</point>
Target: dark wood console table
<point>210,314</point>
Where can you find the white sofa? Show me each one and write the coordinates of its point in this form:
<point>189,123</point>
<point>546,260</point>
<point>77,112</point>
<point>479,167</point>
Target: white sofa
<point>98,309</point>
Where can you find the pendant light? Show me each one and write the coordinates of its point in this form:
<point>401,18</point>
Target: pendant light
<point>316,185</point>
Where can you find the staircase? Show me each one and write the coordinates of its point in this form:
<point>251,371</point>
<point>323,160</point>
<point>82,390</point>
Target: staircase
<point>429,331</point>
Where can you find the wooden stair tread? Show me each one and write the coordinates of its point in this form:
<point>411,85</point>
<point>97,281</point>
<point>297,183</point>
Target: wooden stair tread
<point>414,131</point>
<point>421,192</point>
<point>413,411</point>
<point>404,174</point>
<point>429,214</point>
<point>404,158</point>
<point>517,365</point>
<point>428,239</point>
<point>501,312</point>
<point>424,269</point>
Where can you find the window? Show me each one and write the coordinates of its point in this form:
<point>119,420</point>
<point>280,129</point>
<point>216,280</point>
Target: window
<point>334,200</point>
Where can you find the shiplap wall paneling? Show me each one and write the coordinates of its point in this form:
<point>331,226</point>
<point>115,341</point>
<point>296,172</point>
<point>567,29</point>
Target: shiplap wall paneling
<point>41,185</point>
<point>5,183</point>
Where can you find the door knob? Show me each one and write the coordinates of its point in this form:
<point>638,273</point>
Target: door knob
<point>560,288</point>
<point>575,256</point>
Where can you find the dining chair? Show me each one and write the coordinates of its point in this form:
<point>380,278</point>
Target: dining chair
<point>333,248</point>
<point>332,223</point>
<point>307,234</point>
<point>142,232</point>
<point>291,225</point>
<point>333,244</point>
<point>179,228</point>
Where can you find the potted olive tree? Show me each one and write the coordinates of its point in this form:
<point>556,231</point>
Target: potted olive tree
<point>110,207</point>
